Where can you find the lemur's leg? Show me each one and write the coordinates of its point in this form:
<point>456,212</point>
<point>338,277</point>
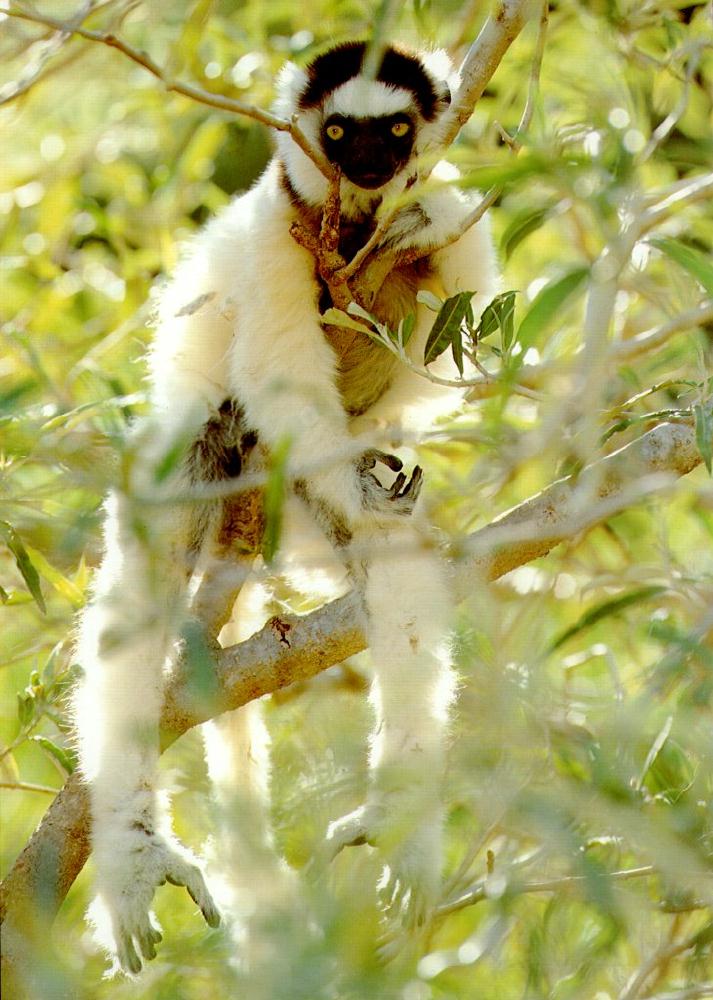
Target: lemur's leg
<point>409,613</point>
<point>125,638</point>
<point>232,599</point>
<point>247,876</point>
<point>254,887</point>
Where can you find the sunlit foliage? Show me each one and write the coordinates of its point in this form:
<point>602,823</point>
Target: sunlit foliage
<point>582,741</point>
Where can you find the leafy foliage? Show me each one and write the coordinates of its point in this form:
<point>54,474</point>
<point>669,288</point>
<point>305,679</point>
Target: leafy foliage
<point>581,748</point>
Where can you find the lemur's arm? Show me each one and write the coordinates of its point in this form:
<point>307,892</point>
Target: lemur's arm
<point>283,372</point>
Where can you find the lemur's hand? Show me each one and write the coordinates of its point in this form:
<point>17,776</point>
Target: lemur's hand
<point>400,497</point>
<point>411,227</point>
<point>128,881</point>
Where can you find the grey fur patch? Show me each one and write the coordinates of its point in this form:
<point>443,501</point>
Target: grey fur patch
<point>218,453</point>
<point>224,443</point>
<point>331,522</point>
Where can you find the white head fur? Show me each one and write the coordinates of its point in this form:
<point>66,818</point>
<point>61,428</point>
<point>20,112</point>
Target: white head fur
<point>359,97</point>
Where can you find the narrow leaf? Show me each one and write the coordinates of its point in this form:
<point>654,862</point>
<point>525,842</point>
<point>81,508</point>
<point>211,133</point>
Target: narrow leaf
<point>407,327</point>
<point>24,563</point>
<point>354,309</point>
<point>704,434</point>
<point>65,758</point>
<point>25,709</point>
<point>521,226</point>
<point>498,314</point>
<point>696,263</point>
<point>544,311</point>
<point>58,580</point>
<point>274,499</point>
<point>337,317</point>
<point>457,351</point>
<point>604,610</point>
<point>427,298</point>
<point>447,325</point>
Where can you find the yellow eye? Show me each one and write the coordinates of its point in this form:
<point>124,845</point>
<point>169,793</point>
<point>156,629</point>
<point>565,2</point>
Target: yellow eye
<point>335,131</point>
<point>400,129</point>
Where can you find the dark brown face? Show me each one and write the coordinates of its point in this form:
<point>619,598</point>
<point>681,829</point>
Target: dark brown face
<point>369,150</point>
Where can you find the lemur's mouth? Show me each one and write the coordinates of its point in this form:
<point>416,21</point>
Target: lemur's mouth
<point>369,180</point>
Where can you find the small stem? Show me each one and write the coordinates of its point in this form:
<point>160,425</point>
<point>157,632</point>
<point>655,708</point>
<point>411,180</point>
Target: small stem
<point>478,891</point>
<point>28,786</point>
<point>144,60</point>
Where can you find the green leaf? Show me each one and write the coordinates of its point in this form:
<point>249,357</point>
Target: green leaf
<point>521,226</point>
<point>4,596</point>
<point>457,351</point>
<point>430,300</point>
<point>25,709</point>
<point>74,417</point>
<point>24,563</point>
<point>274,499</point>
<point>337,317</point>
<point>498,314</point>
<point>354,309</point>
<point>447,326</point>
<point>696,263</point>
<point>407,327</point>
<point>604,610</point>
<point>170,461</point>
<point>199,666</point>
<point>58,580</point>
<point>65,758</point>
<point>704,433</point>
<point>544,311</point>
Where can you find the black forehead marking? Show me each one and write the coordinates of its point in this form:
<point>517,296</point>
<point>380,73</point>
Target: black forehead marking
<point>344,62</point>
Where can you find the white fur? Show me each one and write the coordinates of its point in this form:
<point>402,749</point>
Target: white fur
<point>240,319</point>
<point>360,98</point>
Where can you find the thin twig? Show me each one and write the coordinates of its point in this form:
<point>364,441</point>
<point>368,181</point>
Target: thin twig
<point>38,70</point>
<point>28,786</point>
<point>698,188</point>
<point>663,955</point>
<point>191,91</point>
<point>479,891</point>
<point>664,129</point>
<point>533,88</point>
<point>649,339</point>
<point>688,993</point>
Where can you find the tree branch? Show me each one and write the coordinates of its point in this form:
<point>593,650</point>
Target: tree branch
<point>291,648</point>
<point>688,993</point>
<point>479,891</point>
<point>660,958</point>
<point>191,91</point>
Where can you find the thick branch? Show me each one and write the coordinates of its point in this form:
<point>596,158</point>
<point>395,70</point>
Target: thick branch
<point>292,648</point>
<point>483,58</point>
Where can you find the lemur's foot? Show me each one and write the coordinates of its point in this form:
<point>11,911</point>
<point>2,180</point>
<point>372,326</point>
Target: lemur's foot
<point>401,496</point>
<point>409,887</point>
<point>352,830</point>
<point>128,880</point>
<point>410,883</point>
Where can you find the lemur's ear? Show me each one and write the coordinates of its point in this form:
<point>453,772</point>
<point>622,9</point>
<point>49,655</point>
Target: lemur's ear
<point>290,82</point>
<point>439,67</point>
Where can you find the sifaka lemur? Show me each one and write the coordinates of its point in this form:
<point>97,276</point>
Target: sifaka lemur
<point>240,365</point>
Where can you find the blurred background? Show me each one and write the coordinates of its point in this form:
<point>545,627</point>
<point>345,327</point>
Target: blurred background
<point>581,745</point>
